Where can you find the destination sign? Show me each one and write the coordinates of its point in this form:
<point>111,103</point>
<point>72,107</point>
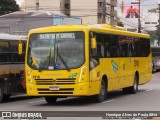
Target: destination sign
<point>52,36</point>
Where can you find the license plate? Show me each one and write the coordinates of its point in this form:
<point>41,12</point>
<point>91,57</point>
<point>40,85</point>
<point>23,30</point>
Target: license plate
<point>54,88</point>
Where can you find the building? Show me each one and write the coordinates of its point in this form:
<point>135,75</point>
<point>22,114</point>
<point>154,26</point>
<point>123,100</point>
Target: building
<point>91,11</point>
<point>21,22</point>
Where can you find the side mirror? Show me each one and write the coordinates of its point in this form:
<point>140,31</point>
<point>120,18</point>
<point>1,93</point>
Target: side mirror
<point>93,43</point>
<point>20,48</point>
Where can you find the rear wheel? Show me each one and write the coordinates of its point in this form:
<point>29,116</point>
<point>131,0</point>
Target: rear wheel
<point>6,97</point>
<point>133,89</point>
<point>51,99</point>
<point>102,95</point>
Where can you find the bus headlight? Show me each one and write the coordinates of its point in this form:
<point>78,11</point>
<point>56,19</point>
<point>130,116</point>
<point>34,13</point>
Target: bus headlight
<point>82,74</point>
<point>28,76</point>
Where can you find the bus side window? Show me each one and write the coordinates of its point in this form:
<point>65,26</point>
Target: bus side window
<point>106,47</point>
<point>114,46</point>
<point>14,49</point>
<point>5,55</point>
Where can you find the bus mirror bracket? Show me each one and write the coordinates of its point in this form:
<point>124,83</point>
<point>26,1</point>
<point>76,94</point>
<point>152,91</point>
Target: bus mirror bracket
<point>93,43</point>
<point>20,48</point>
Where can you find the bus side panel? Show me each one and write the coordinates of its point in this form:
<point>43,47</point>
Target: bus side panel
<point>145,70</point>
<point>127,72</point>
<point>110,68</point>
<point>95,80</point>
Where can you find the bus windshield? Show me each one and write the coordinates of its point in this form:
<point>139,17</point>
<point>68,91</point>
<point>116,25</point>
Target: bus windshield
<point>52,51</point>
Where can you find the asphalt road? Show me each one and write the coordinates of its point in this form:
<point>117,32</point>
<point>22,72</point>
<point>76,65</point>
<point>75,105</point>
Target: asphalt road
<point>147,99</point>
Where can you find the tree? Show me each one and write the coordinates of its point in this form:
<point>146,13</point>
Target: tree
<point>119,23</point>
<point>8,6</point>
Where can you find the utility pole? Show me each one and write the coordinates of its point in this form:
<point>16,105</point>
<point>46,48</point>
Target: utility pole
<point>139,18</point>
<point>158,28</point>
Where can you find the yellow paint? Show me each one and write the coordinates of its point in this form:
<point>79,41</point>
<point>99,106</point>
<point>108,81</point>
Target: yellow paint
<point>34,61</point>
<point>88,81</point>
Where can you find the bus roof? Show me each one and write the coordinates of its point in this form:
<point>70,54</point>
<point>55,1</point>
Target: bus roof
<point>4,36</point>
<point>115,30</point>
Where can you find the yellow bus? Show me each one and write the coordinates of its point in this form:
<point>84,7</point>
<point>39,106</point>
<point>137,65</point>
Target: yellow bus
<point>11,66</point>
<point>81,60</point>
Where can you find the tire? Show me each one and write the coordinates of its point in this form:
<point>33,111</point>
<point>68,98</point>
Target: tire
<point>102,95</point>
<point>153,68</point>
<point>133,89</point>
<point>1,94</point>
<point>6,97</point>
<point>51,99</point>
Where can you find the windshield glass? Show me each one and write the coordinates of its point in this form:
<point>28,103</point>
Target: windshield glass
<point>56,50</point>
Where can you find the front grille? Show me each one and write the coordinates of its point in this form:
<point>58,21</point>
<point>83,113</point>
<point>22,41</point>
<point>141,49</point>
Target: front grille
<point>62,81</point>
<point>55,93</point>
<point>60,91</point>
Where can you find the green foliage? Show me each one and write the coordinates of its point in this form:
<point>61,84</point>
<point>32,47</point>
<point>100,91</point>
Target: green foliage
<point>120,24</point>
<point>153,35</point>
<point>8,6</point>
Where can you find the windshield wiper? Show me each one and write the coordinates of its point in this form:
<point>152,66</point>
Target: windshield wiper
<point>45,60</point>
<point>63,61</point>
<point>43,63</point>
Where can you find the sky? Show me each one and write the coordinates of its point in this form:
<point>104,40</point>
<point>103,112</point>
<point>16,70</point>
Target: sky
<point>19,2</point>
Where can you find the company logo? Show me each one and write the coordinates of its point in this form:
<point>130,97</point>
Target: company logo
<point>6,114</point>
<point>22,115</point>
<point>73,75</point>
<point>114,66</point>
<point>54,82</point>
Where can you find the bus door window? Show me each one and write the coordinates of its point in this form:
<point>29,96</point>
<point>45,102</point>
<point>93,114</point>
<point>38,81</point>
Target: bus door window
<point>4,52</point>
<point>94,54</point>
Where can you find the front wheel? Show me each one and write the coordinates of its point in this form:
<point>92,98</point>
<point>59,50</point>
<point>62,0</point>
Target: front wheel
<point>51,99</point>
<point>102,95</point>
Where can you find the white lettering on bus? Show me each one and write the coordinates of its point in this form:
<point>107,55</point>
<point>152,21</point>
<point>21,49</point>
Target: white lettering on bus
<point>67,35</point>
<point>47,36</point>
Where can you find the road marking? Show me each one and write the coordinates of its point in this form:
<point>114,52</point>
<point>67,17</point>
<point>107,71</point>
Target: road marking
<point>149,90</point>
<point>37,101</point>
<point>109,101</point>
<point>21,95</point>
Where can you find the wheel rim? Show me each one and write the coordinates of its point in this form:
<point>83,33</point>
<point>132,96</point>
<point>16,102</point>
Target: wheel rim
<point>135,84</point>
<point>102,91</point>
